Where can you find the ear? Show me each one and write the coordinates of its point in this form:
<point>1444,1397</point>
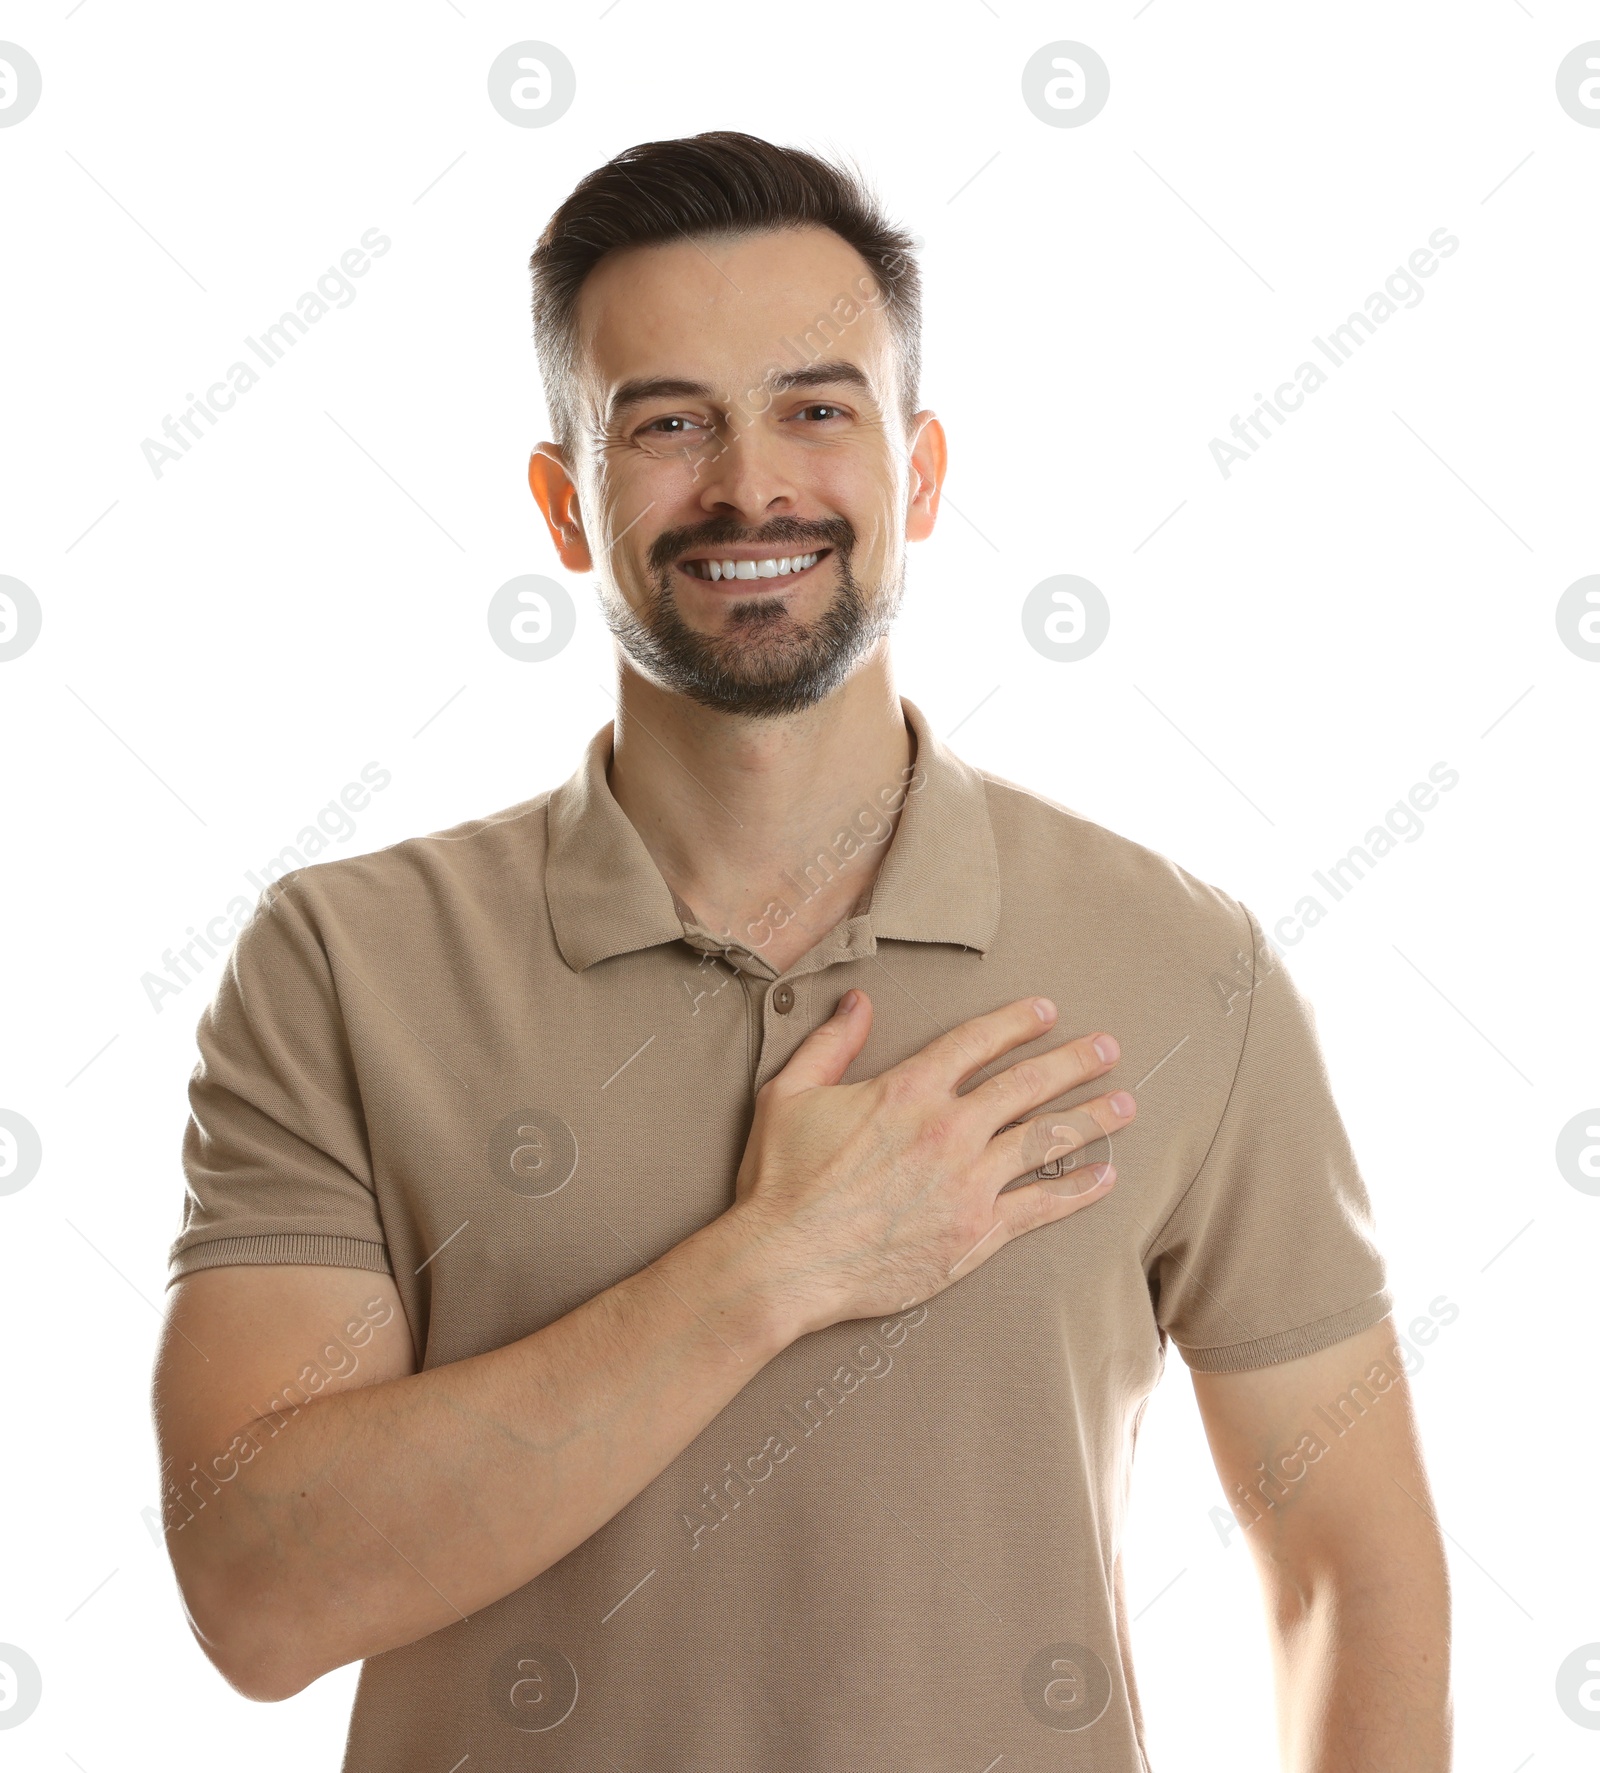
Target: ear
<point>928,459</point>
<point>557,498</point>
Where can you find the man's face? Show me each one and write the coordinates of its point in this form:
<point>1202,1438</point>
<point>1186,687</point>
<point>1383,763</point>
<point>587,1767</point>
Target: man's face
<point>745,482</point>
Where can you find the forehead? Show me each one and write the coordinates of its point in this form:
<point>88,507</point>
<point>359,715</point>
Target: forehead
<point>721,308</point>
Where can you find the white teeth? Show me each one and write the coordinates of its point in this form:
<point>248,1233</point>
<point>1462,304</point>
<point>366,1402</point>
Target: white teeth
<point>771,568</point>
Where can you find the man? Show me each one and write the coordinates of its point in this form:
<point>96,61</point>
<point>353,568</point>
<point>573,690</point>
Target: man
<point>654,1282</point>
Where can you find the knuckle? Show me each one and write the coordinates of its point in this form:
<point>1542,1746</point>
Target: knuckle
<point>937,1131</point>
<point>1022,1080</point>
<point>899,1087</point>
<point>1031,1207</point>
<point>974,1233</point>
<point>939,1060</point>
<point>1045,1205</point>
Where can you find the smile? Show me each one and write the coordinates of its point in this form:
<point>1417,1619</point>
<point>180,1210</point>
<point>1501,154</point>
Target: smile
<point>773,567</point>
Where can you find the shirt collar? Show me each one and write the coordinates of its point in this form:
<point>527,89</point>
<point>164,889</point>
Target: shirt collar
<point>939,880</point>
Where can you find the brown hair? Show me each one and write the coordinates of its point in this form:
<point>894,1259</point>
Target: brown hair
<point>721,182</point>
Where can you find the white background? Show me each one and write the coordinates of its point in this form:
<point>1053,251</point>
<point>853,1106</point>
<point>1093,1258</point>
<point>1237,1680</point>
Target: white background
<point>1371,593</point>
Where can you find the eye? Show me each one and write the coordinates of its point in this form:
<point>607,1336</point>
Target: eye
<point>675,424</point>
<point>825,409</point>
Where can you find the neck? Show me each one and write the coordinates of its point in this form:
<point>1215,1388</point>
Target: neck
<point>736,812</point>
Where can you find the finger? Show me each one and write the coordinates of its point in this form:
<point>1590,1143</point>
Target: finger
<point>1034,1143</point>
<point>950,1059</point>
<point>825,1054</point>
<point>1042,1203</point>
<point>1026,1084</point>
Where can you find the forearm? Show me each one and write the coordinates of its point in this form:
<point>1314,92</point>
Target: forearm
<point>1362,1663</point>
<point>380,1514</point>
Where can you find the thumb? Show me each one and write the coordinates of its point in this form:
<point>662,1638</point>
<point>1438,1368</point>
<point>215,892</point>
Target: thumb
<point>825,1054</point>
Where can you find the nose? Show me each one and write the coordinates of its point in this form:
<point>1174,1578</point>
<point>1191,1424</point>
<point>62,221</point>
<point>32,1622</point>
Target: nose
<point>747,477</point>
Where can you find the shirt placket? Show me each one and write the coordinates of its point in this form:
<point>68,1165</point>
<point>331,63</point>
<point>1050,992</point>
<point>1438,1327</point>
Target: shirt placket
<point>783,1008</point>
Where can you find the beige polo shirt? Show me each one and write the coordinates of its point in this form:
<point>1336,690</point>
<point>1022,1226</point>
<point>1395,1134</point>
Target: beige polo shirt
<point>503,1064</point>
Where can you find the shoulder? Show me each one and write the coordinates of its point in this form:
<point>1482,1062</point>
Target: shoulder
<point>476,863</point>
<point>1067,864</point>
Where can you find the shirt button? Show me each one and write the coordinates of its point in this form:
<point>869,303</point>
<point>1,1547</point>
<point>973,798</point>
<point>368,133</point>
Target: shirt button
<point>783,999</point>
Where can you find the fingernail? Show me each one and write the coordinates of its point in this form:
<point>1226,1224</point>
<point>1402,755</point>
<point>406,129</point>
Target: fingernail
<point>846,1004</point>
<point>1107,1048</point>
<point>1043,1008</point>
<point>1103,1172</point>
<point>1122,1102</point>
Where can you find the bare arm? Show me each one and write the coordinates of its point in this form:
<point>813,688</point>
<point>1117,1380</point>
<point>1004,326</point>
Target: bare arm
<point>1349,1554</point>
<point>392,1502</point>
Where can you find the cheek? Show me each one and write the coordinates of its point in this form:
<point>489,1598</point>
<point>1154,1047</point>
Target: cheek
<point>671,489</point>
<point>877,537</point>
<point>864,492</point>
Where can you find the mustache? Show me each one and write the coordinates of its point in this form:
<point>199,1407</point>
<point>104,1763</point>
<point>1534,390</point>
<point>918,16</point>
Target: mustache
<point>797,533</point>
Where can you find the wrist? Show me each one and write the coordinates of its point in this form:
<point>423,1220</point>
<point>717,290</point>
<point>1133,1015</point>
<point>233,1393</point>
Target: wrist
<point>756,1284</point>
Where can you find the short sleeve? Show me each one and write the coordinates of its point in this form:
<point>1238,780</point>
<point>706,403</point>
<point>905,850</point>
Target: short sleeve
<point>1269,1254</point>
<point>276,1158</point>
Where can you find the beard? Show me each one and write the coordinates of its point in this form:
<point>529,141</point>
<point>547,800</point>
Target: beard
<point>765,663</point>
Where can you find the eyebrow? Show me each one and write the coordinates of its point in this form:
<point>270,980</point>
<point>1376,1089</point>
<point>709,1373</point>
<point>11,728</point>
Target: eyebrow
<point>814,375</point>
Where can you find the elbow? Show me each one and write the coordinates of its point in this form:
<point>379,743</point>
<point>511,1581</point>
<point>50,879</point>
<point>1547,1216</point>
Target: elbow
<point>267,1681</point>
<point>264,1673</point>
<point>242,1634</point>
<point>258,1665</point>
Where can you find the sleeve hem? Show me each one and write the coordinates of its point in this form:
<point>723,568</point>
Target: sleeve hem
<point>320,1249</point>
<point>1290,1345</point>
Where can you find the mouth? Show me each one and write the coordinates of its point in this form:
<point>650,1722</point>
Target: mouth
<point>770,566</point>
